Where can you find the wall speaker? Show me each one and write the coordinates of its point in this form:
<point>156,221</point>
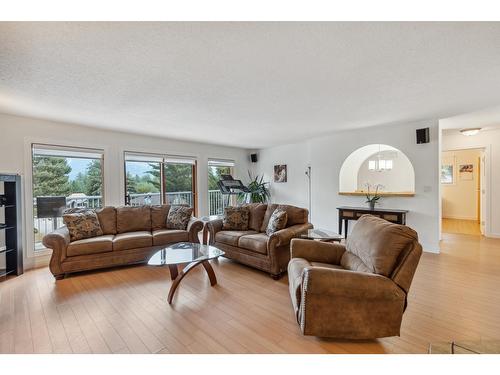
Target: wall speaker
<point>423,135</point>
<point>253,157</point>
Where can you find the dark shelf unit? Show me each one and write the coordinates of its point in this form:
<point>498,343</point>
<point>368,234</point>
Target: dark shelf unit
<point>11,244</point>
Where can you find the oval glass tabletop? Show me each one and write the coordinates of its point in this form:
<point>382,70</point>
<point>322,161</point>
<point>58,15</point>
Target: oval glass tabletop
<point>184,252</point>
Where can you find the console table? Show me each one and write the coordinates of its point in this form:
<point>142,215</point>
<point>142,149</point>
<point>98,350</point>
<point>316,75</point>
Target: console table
<point>347,213</point>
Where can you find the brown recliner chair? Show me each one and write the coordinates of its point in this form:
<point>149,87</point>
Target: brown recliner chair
<point>356,291</point>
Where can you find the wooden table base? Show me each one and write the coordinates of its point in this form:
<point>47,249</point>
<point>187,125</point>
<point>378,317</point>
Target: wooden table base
<point>178,276</point>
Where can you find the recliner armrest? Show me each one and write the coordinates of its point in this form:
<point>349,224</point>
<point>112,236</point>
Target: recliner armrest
<point>349,284</point>
<point>317,251</point>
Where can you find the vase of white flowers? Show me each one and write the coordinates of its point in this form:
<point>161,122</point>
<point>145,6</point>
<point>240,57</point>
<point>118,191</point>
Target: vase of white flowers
<point>372,194</point>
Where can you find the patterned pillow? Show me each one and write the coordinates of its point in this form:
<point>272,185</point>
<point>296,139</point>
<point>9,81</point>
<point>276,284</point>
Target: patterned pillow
<point>236,218</point>
<point>277,221</point>
<point>178,217</point>
<point>83,224</point>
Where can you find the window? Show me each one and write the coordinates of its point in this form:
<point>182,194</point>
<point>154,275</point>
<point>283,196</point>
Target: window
<point>142,179</point>
<point>63,177</point>
<point>158,179</point>
<point>216,168</point>
<point>180,181</point>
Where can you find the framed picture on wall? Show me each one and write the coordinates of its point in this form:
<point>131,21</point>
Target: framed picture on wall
<point>280,173</point>
<point>447,173</point>
<point>466,171</point>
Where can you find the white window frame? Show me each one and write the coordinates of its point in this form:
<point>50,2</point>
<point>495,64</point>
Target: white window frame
<point>162,158</point>
<point>28,234</point>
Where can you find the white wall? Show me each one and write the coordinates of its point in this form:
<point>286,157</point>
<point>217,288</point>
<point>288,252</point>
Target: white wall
<point>326,155</point>
<point>459,199</point>
<point>490,140</point>
<point>17,133</point>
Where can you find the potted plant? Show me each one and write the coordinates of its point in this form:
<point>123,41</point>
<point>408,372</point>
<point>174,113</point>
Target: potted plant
<point>373,197</point>
<point>259,190</point>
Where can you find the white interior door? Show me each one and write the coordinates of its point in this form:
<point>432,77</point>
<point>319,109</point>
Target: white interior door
<point>482,195</point>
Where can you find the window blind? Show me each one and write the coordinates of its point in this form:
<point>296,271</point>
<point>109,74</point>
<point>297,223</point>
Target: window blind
<point>159,158</point>
<point>220,163</point>
<point>67,152</point>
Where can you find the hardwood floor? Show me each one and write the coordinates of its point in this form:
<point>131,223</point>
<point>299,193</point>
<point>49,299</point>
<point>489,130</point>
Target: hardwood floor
<point>454,297</point>
<point>461,226</point>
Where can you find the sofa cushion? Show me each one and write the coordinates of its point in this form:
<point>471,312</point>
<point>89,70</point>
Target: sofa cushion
<point>378,244</point>
<point>354,263</point>
<point>94,245</point>
<point>254,242</point>
<point>132,240</point>
<point>82,225</point>
<point>235,218</point>
<point>230,237</point>
<point>133,219</point>
<point>159,215</point>
<point>178,217</point>
<point>296,215</point>
<point>269,211</point>
<point>107,219</point>
<point>166,236</point>
<point>277,221</point>
<point>256,215</point>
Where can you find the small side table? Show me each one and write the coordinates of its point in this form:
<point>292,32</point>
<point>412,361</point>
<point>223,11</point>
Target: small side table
<point>321,235</point>
<point>206,220</point>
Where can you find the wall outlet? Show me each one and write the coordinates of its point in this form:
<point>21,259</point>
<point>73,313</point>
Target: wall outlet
<point>427,189</point>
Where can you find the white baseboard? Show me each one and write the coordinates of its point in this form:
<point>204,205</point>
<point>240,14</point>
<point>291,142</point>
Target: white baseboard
<point>430,248</point>
<point>493,235</point>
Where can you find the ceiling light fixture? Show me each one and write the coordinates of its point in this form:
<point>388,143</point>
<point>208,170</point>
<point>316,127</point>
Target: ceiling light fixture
<point>470,131</point>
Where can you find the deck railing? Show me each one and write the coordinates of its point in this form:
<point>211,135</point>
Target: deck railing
<point>42,226</point>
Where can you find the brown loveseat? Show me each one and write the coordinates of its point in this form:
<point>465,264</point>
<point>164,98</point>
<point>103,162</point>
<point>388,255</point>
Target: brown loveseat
<point>253,247</point>
<point>356,291</point>
<point>130,235</point>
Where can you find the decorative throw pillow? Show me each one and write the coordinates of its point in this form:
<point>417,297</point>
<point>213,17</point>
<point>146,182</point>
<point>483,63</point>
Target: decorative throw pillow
<point>178,217</point>
<point>277,221</point>
<point>236,218</point>
<point>82,225</point>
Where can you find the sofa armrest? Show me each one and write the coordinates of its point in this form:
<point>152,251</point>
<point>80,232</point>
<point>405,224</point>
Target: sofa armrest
<point>349,284</point>
<point>58,241</point>
<point>284,236</point>
<point>317,251</point>
<point>214,226</point>
<point>194,227</point>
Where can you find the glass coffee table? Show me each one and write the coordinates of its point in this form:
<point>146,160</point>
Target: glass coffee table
<point>185,252</point>
<point>321,235</point>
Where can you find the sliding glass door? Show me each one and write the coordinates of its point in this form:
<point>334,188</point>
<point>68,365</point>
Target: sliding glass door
<point>217,168</point>
<point>143,180</point>
<point>180,181</point>
<point>159,179</point>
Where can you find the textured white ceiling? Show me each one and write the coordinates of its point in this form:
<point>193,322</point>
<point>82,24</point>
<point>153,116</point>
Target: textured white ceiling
<point>246,84</point>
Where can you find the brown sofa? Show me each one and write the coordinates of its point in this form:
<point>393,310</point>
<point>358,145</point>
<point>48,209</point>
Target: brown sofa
<point>356,291</point>
<point>253,247</point>
<point>131,235</point>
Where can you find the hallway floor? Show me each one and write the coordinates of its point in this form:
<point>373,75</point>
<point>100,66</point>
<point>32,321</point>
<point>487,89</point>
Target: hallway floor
<point>461,226</point>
